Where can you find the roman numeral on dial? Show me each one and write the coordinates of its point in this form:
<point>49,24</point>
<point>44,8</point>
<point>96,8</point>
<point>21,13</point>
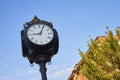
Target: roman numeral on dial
<point>49,37</point>
<point>32,38</point>
<point>49,33</point>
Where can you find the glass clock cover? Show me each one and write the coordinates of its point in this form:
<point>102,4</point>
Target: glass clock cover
<point>40,34</point>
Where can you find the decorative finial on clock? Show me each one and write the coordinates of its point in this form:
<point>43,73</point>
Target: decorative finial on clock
<point>35,20</point>
<point>35,17</point>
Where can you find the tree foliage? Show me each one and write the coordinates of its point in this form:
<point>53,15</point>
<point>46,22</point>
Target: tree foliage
<point>102,61</point>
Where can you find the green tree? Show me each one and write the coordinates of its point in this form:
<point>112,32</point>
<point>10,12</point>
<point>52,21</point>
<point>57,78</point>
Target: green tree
<point>102,61</point>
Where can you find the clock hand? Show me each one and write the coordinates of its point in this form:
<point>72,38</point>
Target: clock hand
<point>34,34</point>
<point>41,30</point>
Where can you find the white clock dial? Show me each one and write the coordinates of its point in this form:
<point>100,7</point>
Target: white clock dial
<point>40,34</point>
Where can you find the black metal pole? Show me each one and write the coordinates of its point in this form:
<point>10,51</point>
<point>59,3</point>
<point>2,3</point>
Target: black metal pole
<point>43,70</point>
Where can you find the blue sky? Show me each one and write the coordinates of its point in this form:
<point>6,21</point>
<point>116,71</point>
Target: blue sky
<point>75,20</point>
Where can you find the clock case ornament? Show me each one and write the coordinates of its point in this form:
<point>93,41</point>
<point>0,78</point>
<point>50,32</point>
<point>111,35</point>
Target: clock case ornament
<point>34,52</point>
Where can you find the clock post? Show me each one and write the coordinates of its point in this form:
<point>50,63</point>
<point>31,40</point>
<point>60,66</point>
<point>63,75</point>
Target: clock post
<point>39,43</point>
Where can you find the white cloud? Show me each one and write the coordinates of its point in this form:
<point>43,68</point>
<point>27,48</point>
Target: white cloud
<point>31,72</point>
<point>2,77</point>
<point>37,78</point>
<point>56,67</point>
<point>53,73</point>
<point>28,72</point>
<point>60,73</point>
<point>53,76</point>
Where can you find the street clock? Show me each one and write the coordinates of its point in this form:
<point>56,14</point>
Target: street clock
<point>39,40</point>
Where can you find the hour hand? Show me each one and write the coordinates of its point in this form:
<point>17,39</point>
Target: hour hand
<point>34,34</point>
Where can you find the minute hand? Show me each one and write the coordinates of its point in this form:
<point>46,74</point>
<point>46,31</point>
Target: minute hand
<point>41,30</point>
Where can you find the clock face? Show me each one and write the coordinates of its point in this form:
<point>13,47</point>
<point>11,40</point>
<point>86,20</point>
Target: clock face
<point>40,34</point>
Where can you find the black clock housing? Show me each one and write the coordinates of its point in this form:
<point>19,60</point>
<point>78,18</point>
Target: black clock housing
<point>31,50</point>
